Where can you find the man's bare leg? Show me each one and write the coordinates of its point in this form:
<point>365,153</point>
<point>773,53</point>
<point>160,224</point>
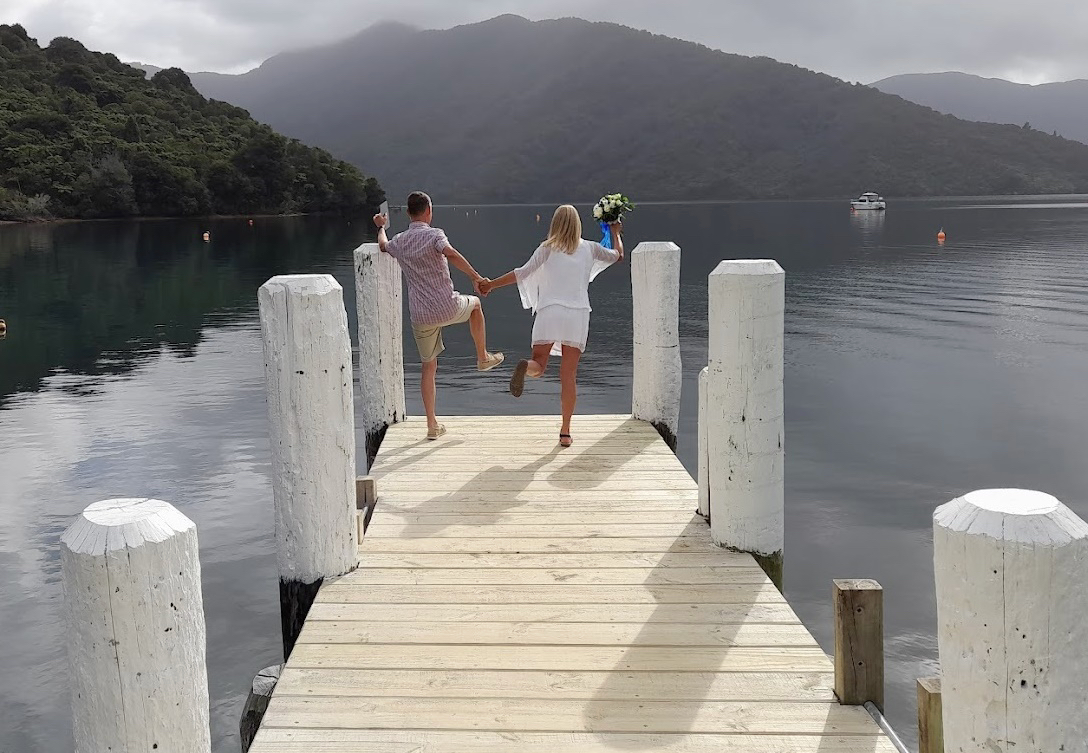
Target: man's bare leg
<point>478,327</point>
<point>428,390</point>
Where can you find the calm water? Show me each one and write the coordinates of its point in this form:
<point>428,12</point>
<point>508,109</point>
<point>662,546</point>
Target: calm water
<point>913,373</point>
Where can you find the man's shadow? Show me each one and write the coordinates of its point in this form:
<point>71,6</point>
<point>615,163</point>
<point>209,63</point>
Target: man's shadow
<point>504,483</point>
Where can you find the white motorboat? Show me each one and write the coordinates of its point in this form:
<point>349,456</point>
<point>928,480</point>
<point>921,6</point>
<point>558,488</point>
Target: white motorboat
<point>869,201</point>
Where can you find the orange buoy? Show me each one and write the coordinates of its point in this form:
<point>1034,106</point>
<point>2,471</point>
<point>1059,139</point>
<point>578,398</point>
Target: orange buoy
<point>940,235</point>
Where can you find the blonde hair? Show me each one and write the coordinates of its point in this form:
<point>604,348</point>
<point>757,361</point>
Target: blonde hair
<point>565,232</point>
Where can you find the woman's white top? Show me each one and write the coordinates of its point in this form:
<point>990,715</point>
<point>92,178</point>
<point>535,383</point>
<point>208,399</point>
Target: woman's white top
<point>552,278</point>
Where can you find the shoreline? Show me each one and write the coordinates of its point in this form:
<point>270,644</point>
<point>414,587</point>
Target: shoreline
<point>67,220</point>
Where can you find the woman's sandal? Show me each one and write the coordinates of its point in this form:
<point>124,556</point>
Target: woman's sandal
<point>565,440</point>
<point>517,381</point>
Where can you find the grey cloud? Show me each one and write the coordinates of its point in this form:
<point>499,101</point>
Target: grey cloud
<point>853,39</point>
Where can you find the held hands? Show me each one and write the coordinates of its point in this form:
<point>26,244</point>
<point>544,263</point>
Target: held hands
<point>483,287</point>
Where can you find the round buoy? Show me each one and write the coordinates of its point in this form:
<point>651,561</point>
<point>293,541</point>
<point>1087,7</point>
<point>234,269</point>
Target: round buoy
<point>207,236</point>
<point>940,235</point>
<point>251,223</point>
<point>3,326</point>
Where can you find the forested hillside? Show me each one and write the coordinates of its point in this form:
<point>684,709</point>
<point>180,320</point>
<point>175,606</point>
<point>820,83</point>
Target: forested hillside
<point>84,135</point>
<point>513,110</point>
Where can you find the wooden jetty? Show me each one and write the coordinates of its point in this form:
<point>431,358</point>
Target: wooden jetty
<point>515,596</point>
<point>491,592</point>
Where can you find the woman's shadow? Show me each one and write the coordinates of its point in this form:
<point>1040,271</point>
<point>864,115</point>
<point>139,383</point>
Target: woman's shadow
<point>504,483</point>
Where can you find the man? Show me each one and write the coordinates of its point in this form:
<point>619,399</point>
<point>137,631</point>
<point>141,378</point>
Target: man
<point>425,255</point>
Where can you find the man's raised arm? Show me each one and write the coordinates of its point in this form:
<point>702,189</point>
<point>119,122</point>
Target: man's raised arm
<point>383,240</point>
<point>456,259</point>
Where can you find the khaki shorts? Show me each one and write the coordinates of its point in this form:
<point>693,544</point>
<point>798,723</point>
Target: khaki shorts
<point>429,336</point>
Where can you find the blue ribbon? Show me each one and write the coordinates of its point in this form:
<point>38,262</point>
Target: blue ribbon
<point>606,241</point>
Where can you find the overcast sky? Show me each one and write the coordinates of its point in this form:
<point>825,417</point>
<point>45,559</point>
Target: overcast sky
<point>858,40</point>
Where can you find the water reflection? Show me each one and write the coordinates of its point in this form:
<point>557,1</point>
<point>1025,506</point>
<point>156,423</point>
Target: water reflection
<point>913,373</point>
<point>869,224</point>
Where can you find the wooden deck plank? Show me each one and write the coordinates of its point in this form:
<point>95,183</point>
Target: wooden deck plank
<point>556,633</point>
<point>273,740</point>
<point>549,715</point>
<point>513,596</point>
<point>619,560</point>
<point>599,516</point>
<point>542,545</point>
<point>561,576</point>
<point>359,592</point>
<point>521,531</point>
<point>774,612</point>
<point>564,658</point>
<point>666,686</point>
<point>445,502</point>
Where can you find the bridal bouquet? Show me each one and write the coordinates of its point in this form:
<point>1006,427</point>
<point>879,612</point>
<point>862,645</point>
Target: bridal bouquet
<point>610,209</point>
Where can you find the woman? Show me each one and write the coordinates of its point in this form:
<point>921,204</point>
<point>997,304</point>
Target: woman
<point>554,283</point>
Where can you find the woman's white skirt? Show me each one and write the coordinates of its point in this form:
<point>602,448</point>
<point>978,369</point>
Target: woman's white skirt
<point>562,326</point>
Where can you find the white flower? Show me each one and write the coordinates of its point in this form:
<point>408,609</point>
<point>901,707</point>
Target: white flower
<point>598,212</point>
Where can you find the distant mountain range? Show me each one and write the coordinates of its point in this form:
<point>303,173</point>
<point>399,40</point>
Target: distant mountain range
<point>513,110</point>
<point>1060,108</point>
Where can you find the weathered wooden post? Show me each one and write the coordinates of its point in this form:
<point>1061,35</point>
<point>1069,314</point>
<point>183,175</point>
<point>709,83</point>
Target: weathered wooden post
<point>136,633</point>
<point>366,499</point>
<point>381,344</point>
<point>655,300</point>
<point>1011,570</point>
<point>260,694</point>
<point>859,642</point>
<point>930,726</point>
<point>307,353</point>
<point>744,420</point>
<point>704,460</point>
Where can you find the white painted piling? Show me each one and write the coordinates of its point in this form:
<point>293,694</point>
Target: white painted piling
<point>744,415</point>
<point>136,632</point>
<point>1011,571</point>
<point>307,352</point>
<point>655,298</point>
<point>381,344</point>
<point>704,465</point>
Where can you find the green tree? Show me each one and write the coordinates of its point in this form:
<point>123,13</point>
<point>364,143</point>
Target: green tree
<point>99,139</point>
<point>106,191</point>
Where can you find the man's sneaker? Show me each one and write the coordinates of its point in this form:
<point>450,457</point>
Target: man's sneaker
<point>493,360</point>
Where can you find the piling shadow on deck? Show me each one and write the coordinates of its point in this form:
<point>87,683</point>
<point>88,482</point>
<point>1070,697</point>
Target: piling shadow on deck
<point>513,596</point>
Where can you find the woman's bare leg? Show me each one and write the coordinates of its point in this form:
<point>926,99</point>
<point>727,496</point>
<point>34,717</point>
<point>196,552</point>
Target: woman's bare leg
<point>568,380</point>
<point>539,361</point>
